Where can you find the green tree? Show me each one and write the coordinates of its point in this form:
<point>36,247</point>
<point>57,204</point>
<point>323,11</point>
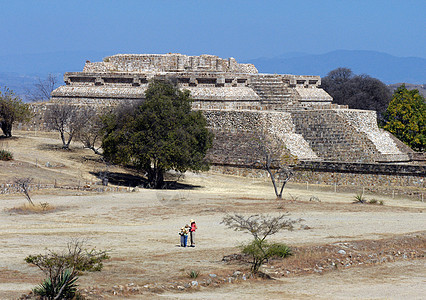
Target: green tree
<point>406,118</point>
<point>159,134</point>
<point>12,110</point>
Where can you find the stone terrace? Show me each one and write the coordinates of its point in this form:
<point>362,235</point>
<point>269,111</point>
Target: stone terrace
<point>239,103</point>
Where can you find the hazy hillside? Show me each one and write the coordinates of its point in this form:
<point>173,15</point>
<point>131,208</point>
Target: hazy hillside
<point>387,68</point>
<point>21,71</point>
<point>420,87</point>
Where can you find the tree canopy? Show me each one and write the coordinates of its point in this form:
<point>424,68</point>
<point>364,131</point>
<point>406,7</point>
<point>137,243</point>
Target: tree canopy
<point>12,110</point>
<point>406,118</point>
<point>159,134</point>
<point>357,91</point>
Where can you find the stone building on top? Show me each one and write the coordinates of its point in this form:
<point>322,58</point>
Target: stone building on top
<point>239,102</point>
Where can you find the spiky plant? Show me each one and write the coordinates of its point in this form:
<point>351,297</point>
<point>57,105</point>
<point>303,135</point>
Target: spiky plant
<point>64,287</point>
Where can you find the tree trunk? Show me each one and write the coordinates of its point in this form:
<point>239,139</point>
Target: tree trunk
<point>156,178</point>
<point>7,129</point>
<point>64,144</point>
<point>279,196</point>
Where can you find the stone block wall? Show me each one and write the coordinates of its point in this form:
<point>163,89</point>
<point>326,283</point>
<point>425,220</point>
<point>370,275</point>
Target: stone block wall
<point>238,133</point>
<point>166,63</point>
<point>374,178</point>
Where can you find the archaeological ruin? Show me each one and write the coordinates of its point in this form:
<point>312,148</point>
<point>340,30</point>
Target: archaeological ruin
<point>240,104</point>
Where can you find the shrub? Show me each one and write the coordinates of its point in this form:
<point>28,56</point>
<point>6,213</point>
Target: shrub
<point>261,251</point>
<point>193,274</point>
<point>359,198</point>
<point>43,207</point>
<point>375,201</point>
<point>62,269</point>
<point>6,155</point>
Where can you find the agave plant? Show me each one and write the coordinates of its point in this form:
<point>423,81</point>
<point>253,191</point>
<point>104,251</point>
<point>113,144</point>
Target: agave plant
<point>65,287</point>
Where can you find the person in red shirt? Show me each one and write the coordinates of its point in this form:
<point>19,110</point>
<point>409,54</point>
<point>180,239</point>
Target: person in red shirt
<point>192,232</point>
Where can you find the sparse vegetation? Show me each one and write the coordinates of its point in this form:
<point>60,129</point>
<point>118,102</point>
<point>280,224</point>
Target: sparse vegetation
<point>5,155</point>
<point>375,201</point>
<point>260,227</point>
<point>36,208</point>
<point>81,122</point>
<point>90,133</point>
<point>23,184</point>
<point>42,89</point>
<point>193,274</point>
<point>314,198</point>
<point>261,251</point>
<point>275,160</point>
<point>64,288</point>
<point>62,269</point>
<point>359,198</point>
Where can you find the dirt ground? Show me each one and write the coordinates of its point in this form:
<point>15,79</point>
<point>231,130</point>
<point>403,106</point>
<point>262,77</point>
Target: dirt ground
<point>140,229</point>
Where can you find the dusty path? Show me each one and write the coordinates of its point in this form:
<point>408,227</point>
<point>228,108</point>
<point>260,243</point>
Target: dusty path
<point>140,229</point>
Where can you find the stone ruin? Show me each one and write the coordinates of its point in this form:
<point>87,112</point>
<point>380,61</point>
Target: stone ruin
<point>239,103</point>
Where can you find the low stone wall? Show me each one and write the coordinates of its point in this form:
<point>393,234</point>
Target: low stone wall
<point>387,179</point>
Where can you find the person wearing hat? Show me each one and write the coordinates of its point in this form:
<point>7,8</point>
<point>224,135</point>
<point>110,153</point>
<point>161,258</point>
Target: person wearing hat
<point>192,232</point>
<point>184,235</point>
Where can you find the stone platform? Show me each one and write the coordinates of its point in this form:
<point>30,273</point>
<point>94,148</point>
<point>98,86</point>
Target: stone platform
<point>239,104</point>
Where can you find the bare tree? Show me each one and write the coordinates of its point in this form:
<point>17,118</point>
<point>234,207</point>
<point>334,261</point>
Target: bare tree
<point>90,132</point>
<point>23,184</point>
<point>275,160</point>
<point>42,89</point>
<point>65,118</point>
<point>259,226</point>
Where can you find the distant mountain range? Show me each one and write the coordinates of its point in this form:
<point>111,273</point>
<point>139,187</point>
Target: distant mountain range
<point>389,69</point>
<point>20,71</point>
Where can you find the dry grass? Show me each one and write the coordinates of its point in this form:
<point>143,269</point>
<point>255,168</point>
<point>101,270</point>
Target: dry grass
<point>43,207</point>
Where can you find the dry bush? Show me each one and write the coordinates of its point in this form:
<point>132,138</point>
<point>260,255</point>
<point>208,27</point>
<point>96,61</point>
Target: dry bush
<point>32,209</point>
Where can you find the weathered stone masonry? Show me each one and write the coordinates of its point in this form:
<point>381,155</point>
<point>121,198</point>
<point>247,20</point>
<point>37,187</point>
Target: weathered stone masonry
<point>238,103</point>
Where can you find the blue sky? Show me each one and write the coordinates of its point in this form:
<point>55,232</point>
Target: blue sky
<point>242,29</point>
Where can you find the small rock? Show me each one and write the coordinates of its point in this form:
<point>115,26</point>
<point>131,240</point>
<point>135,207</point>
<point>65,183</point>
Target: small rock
<point>187,285</point>
<point>236,273</point>
<point>194,283</point>
<point>244,277</point>
<point>341,251</point>
<point>180,287</point>
<point>213,275</point>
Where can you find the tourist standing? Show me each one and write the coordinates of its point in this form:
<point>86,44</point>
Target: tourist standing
<point>184,235</point>
<point>192,232</point>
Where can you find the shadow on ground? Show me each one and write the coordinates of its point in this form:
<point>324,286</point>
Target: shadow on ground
<point>130,180</point>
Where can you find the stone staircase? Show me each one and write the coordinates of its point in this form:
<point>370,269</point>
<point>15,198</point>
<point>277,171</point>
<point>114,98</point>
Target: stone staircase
<point>271,90</point>
<point>332,137</point>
